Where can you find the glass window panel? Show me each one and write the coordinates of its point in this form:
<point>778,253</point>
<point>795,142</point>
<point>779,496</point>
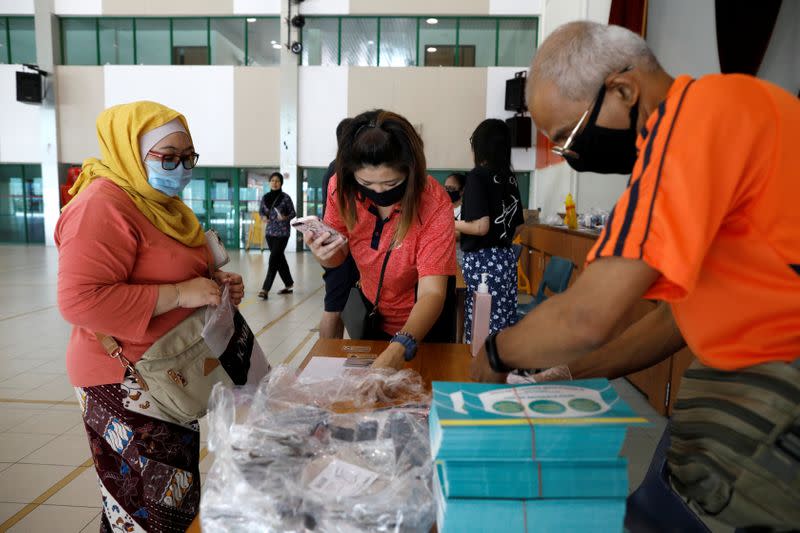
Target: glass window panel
<point>116,41</point>
<point>12,204</point>
<point>3,41</point>
<point>263,42</point>
<point>152,42</point>
<point>34,203</point>
<point>23,40</point>
<point>223,209</point>
<point>227,41</point>
<point>477,42</point>
<point>517,42</point>
<point>321,41</point>
<point>437,42</point>
<point>80,41</point>
<point>190,42</point>
<point>360,42</point>
<point>398,42</point>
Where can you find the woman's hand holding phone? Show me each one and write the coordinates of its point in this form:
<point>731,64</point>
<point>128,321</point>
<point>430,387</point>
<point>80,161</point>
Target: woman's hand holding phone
<point>325,249</point>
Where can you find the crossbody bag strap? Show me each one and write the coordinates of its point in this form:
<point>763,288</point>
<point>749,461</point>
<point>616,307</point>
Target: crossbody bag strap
<point>114,350</point>
<point>383,272</point>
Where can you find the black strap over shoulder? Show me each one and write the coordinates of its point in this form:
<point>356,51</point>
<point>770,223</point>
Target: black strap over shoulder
<point>383,272</point>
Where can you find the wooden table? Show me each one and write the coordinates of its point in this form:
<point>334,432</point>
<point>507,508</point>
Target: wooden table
<point>434,362</point>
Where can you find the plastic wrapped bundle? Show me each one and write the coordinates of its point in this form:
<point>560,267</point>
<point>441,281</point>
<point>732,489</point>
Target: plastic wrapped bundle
<point>298,455</point>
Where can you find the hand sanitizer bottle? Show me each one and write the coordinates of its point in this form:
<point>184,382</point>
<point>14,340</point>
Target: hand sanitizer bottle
<point>481,315</point>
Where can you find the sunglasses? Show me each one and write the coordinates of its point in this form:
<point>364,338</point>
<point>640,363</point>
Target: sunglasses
<point>171,161</point>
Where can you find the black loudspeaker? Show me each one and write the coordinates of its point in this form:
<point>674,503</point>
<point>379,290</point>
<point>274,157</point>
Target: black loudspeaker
<point>521,129</point>
<point>29,87</point>
<point>515,93</point>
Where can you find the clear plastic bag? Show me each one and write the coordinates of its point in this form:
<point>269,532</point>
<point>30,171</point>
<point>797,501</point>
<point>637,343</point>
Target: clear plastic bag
<point>219,327</point>
<point>298,455</point>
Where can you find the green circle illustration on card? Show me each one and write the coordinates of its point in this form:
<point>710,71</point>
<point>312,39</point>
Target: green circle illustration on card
<point>585,405</point>
<point>547,407</point>
<point>507,407</point>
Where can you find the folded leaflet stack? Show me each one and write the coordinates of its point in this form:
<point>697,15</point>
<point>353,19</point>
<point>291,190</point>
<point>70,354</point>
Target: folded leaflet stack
<point>539,457</point>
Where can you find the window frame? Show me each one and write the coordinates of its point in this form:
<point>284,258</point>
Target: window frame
<point>379,19</point>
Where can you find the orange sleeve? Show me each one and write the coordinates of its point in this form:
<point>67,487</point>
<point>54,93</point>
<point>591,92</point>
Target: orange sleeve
<point>97,250</point>
<point>690,176</point>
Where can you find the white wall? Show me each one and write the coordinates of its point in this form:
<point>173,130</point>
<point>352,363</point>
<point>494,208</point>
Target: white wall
<point>322,104</point>
<point>78,7</point>
<point>521,159</point>
<point>256,7</point>
<point>781,64</point>
<point>325,7</point>
<point>19,123</point>
<point>515,7</point>
<point>683,35</point>
<point>203,94</point>
<point>16,7</point>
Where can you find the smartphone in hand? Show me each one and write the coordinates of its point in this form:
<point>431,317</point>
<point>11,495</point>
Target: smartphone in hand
<point>314,226</point>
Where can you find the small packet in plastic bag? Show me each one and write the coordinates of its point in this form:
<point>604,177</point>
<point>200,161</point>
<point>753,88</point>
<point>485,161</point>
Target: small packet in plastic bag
<point>347,454</point>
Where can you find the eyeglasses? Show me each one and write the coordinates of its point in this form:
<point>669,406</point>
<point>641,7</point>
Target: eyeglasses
<point>171,161</point>
<point>564,150</point>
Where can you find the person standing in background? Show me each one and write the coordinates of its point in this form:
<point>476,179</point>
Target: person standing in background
<point>454,185</point>
<point>339,280</point>
<point>490,217</point>
<point>276,210</point>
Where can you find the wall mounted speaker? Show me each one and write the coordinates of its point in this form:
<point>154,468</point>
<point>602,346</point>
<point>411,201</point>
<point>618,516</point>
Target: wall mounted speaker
<point>29,87</point>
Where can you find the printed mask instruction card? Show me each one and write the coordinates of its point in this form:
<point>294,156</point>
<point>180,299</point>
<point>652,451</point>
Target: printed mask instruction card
<point>343,478</point>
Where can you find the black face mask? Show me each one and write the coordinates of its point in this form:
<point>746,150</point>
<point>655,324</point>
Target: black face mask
<point>385,198</point>
<point>454,196</point>
<point>605,150</point>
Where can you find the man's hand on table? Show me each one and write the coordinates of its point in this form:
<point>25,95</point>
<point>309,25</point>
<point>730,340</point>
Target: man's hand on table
<point>392,357</point>
<point>482,372</point>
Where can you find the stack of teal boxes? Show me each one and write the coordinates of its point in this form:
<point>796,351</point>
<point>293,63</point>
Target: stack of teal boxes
<point>525,458</point>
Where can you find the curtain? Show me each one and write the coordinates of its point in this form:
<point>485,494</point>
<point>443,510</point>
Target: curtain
<point>744,29</point>
<point>631,14</point>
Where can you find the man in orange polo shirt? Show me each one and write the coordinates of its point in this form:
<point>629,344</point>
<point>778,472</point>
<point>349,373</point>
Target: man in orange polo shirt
<point>709,223</point>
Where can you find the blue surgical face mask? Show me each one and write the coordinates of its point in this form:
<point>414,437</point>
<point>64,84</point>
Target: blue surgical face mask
<point>170,182</point>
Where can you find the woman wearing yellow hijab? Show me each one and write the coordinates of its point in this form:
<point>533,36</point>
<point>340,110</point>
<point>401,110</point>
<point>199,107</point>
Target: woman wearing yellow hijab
<point>133,264</point>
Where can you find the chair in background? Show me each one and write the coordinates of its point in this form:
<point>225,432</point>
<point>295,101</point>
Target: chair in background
<point>556,279</point>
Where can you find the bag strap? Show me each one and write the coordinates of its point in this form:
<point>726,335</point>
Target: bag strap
<point>383,271</point>
<point>114,350</point>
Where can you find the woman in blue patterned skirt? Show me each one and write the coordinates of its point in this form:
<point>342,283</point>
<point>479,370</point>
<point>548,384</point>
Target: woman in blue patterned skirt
<point>491,214</point>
